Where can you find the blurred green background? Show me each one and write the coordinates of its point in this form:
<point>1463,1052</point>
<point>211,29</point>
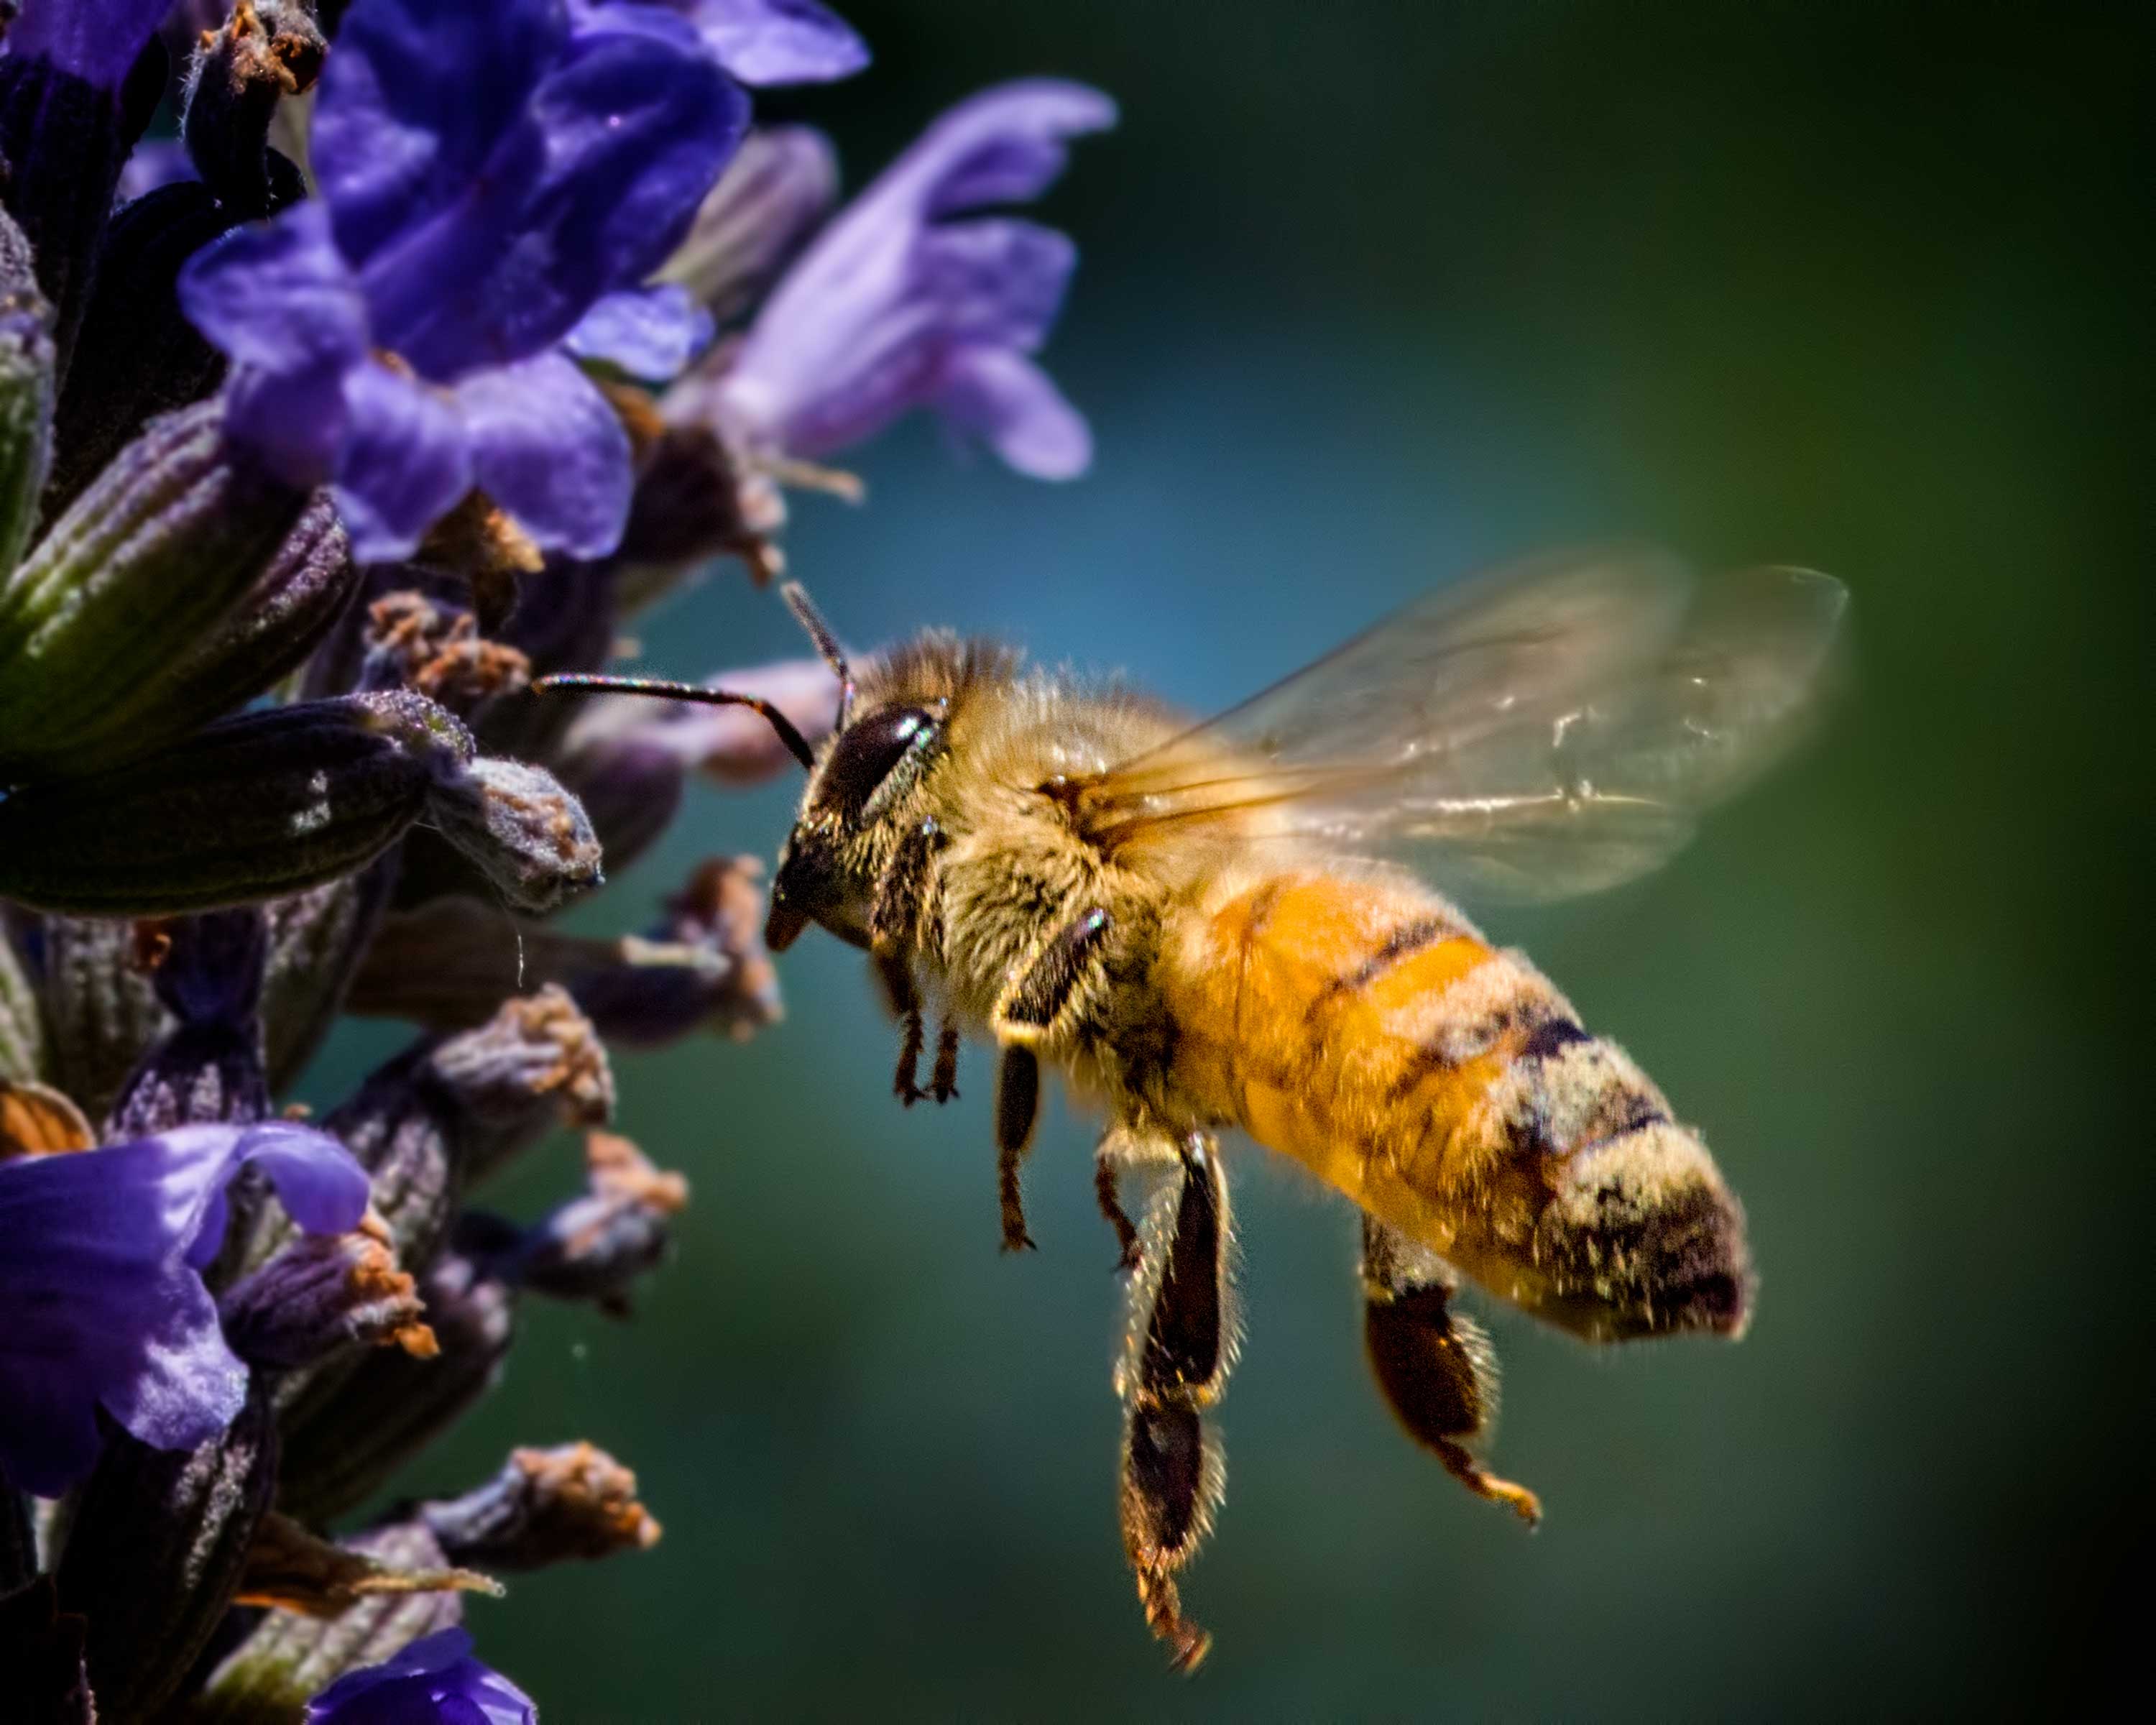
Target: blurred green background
<point>1373,293</point>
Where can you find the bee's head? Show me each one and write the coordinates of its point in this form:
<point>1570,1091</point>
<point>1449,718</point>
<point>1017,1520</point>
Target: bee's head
<point>864,782</point>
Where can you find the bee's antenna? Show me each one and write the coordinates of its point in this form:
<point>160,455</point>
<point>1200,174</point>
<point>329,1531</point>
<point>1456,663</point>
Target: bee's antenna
<point>827,644</point>
<point>796,744</point>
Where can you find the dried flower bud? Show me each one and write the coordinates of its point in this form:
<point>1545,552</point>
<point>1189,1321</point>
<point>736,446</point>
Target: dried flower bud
<point>545,1506</point>
<point>595,1247</point>
<point>290,1569</point>
<point>536,1063</point>
<point>413,642</point>
<point>154,1550</point>
<point>100,1010</point>
<point>256,807</point>
<point>692,503</point>
<point>288,1657</point>
<point>151,558</point>
<point>339,1450</point>
<point>527,835</point>
<point>209,1066</point>
<point>317,939</point>
<point>27,389</point>
<point>266,50</point>
<point>41,1651</point>
<point>22,1028</point>
<point>323,1295</point>
<point>631,788</point>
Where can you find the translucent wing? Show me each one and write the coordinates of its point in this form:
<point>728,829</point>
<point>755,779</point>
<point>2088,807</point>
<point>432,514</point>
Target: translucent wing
<point>1550,730</point>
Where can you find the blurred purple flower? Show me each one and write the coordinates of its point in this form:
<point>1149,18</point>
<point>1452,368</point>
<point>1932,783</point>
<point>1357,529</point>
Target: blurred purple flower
<point>102,1253</point>
<point>434,1682</point>
<point>896,306</point>
<point>489,175</point>
<point>96,40</point>
<point>770,41</point>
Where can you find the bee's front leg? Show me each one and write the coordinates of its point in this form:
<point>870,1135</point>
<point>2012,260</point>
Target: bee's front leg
<point>1435,1366</point>
<point>898,916</point>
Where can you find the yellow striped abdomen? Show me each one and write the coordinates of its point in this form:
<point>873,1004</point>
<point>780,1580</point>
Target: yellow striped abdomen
<point>1362,1027</point>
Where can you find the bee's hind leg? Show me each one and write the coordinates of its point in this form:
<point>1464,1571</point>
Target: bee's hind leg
<point>898,916</point>
<point>1176,1352</point>
<point>1433,1364</point>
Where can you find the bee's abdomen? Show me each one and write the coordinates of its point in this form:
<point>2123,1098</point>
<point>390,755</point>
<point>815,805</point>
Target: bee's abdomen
<point>1365,1029</point>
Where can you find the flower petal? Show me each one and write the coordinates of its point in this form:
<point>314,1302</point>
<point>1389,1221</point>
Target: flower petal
<point>868,323</point>
<point>1013,407</point>
<point>98,42</point>
<point>434,1680</point>
<point>277,294</point>
<point>548,448</point>
<point>404,465</point>
<point>415,104</point>
<point>777,188</point>
<point>777,41</point>
<point>650,332</point>
<point>103,1303</point>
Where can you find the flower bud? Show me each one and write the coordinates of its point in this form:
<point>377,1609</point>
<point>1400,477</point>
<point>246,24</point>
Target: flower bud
<point>154,1550</point>
<point>265,50</point>
<point>138,357</point>
<point>545,1506</point>
<point>26,394</point>
<point>413,642</point>
<point>72,104</point>
<point>149,560</point>
<point>208,1068</point>
<point>256,807</point>
<point>316,938</point>
<point>323,1295</point>
<point>339,1450</point>
<point>595,1247</point>
<point>22,1028</point>
<point>527,835</point>
<point>289,1656</point>
<point>100,1010</point>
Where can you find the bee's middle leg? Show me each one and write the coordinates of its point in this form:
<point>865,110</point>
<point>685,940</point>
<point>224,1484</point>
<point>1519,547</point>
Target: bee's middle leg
<point>1044,995</point>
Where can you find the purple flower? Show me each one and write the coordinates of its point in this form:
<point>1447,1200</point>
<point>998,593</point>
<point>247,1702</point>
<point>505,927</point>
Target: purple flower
<point>102,1253</point>
<point>896,306</point>
<point>489,175</point>
<point>434,1682</point>
<point>96,40</point>
<point>770,41</point>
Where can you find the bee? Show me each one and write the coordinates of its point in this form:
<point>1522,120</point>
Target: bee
<point>1228,925</point>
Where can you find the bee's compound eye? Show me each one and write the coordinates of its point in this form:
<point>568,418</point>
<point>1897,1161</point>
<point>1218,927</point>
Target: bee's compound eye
<point>867,750</point>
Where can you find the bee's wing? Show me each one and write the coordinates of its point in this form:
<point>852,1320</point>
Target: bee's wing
<point>1552,729</point>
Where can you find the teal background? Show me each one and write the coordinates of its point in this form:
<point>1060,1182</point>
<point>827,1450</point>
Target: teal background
<point>1372,293</point>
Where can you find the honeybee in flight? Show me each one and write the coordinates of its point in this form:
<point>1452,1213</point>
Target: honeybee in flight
<point>1226,925</point>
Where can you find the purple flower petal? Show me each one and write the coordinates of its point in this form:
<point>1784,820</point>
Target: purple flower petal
<point>777,41</point>
<point>547,447</point>
<point>433,1682</point>
<point>780,184</point>
<point>492,180</point>
<point>1013,407</point>
<point>278,296</point>
<point>874,318</point>
<point>416,102</point>
<point>97,40</point>
<point>155,163</point>
<point>648,333</point>
<point>405,462</point>
<point>97,1251</point>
